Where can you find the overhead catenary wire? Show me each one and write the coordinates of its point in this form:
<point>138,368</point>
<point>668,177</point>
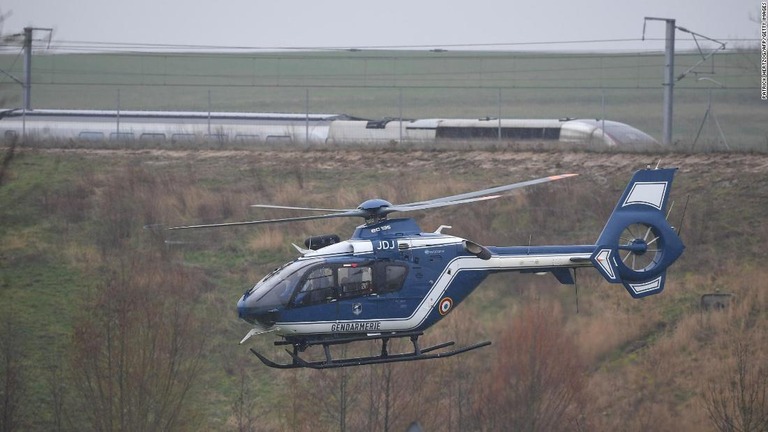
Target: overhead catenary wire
<point>143,47</point>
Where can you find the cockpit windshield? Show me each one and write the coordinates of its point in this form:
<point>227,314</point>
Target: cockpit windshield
<point>276,288</point>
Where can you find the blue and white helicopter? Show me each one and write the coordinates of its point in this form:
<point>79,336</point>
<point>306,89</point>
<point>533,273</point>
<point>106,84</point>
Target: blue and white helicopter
<point>390,280</point>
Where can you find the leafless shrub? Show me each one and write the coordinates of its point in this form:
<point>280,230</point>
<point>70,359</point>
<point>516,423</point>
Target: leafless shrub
<point>137,347</point>
<point>8,156</point>
<point>738,402</point>
<point>13,390</point>
<point>536,382</point>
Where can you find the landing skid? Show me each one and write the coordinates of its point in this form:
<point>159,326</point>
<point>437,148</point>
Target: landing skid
<point>418,353</point>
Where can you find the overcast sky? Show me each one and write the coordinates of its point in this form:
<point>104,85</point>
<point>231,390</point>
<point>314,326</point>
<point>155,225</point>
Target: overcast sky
<point>393,23</point>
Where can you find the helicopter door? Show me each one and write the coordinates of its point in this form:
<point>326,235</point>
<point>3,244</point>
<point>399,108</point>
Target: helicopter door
<point>390,279</point>
<point>356,293</point>
<point>319,287</point>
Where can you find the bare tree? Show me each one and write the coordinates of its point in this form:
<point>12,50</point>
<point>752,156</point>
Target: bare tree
<point>536,382</point>
<point>739,402</point>
<point>390,393</point>
<point>372,398</point>
<point>57,380</point>
<point>335,391</point>
<point>138,346</point>
<point>12,387</point>
<point>244,407</point>
<point>8,155</point>
<point>297,409</point>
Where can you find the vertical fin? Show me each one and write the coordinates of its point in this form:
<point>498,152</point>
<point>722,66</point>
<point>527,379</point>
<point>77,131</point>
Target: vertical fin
<point>637,243</point>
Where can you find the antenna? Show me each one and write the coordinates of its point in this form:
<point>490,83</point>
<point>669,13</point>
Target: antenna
<point>682,218</point>
<point>576,287</point>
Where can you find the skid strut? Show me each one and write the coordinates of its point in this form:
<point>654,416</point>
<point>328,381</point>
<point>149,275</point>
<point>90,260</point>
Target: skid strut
<point>418,353</point>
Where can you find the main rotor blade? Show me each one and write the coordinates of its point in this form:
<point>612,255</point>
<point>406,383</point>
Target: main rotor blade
<point>459,199</point>
<point>465,198</point>
<point>429,205</point>
<point>350,213</point>
<point>272,206</point>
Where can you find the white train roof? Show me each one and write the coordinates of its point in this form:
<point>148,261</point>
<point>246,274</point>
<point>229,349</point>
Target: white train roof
<point>171,114</point>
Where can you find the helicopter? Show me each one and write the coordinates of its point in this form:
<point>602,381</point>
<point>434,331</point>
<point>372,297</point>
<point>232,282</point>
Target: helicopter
<point>390,280</point>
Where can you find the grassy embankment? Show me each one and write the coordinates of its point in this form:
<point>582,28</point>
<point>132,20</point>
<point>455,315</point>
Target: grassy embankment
<point>70,218</point>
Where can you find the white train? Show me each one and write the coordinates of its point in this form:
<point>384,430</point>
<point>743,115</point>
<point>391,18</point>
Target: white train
<point>170,127</point>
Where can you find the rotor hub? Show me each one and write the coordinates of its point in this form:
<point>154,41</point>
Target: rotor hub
<point>375,209</point>
<point>373,205</point>
<point>638,246</point>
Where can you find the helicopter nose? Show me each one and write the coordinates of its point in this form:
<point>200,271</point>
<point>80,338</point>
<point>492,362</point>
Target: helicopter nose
<point>245,311</point>
<point>251,312</point>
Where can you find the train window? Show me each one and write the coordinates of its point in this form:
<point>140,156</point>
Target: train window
<point>186,137</point>
<point>278,139</point>
<point>517,133</point>
<point>247,138</point>
<point>10,134</point>
<point>377,124</point>
<point>91,136</point>
<point>546,133</point>
<point>121,136</point>
<point>152,137</point>
<point>216,137</point>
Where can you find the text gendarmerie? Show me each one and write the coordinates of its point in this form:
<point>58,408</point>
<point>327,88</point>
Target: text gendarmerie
<point>356,326</point>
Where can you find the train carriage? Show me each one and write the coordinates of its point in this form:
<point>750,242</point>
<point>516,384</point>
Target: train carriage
<point>158,127</point>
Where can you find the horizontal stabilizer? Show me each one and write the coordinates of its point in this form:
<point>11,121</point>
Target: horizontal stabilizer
<point>646,288</point>
<point>563,275</point>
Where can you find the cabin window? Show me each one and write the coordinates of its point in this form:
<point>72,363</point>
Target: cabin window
<point>331,282</point>
<point>393,278</point>
<point>355,281</point>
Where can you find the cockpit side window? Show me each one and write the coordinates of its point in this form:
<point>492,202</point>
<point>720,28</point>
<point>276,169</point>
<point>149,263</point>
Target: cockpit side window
<point>318,287</point>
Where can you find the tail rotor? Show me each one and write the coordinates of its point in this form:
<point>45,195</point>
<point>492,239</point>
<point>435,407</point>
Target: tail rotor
<point>640,247</point>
